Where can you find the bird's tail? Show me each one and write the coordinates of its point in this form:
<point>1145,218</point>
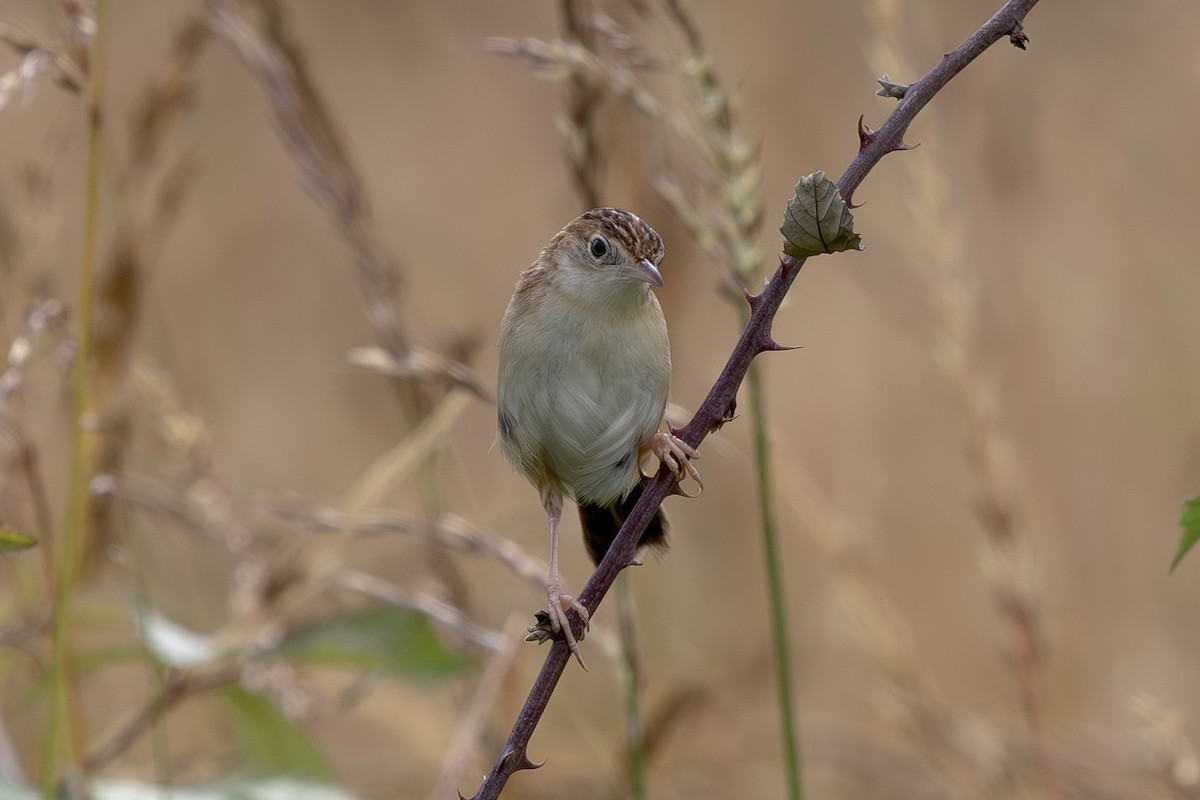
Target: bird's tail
<point>601,524</point>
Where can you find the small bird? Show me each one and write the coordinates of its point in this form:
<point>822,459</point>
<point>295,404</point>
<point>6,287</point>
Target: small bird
<point>584,369</point>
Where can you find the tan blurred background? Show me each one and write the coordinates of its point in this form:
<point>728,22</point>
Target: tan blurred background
<point>1071,181</point>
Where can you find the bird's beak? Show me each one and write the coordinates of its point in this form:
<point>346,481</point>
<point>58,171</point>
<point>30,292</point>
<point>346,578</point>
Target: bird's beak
<point>643,270</point>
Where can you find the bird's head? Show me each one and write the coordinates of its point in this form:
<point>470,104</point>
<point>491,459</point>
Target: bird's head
<point>607,253</point>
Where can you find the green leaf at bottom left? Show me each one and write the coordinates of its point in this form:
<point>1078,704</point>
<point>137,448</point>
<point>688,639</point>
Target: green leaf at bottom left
<point>13,539</point>
<point>1189,520</point>
<point>270,741</point>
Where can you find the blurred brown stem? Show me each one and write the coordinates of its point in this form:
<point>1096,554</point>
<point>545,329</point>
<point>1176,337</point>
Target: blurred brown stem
<point>583,149</point>
<point>312,139</point>
<point>310,136</point>
<point>176,687</point>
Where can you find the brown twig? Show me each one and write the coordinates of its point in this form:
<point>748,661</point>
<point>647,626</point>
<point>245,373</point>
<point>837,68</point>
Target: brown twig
<point>583,103</point>
<point>448,530</point>
<point>37,55</point>
<point>149,195</point>
<point>756,338</point>
<point>308,134</point>
<point>178,686</point>
<point>315,146</point>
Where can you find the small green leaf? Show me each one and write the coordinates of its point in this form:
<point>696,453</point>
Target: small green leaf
<point>1189,520</point>
<point>817,220</point>
<point>396,640</point>
<point>13,539</point>
<point>269,740</point>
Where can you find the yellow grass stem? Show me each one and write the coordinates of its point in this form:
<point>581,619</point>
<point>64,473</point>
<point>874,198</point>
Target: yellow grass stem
<point>65,734</point>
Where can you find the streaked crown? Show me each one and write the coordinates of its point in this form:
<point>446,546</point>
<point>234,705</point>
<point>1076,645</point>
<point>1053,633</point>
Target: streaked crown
<point>630,230</point>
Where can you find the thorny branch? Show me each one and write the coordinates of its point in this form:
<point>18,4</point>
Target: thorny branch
<point>755,338</point>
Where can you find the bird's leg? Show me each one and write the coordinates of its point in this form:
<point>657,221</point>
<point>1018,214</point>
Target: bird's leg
<point>559,600</point>
<point>676,454</point>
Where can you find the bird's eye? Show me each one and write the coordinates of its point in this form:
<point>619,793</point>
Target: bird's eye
<point>598,247</point>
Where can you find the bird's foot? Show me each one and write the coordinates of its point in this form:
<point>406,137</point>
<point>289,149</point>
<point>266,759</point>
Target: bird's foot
<point>677,455</point>
<point>553,621</point>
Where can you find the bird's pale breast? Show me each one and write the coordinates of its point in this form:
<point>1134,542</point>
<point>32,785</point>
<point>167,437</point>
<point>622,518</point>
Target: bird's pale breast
<point>579,394</point>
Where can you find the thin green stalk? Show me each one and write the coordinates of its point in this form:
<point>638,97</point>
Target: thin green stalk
<point>774,569</point>
<point>63,734</point>
<point>631,687</point>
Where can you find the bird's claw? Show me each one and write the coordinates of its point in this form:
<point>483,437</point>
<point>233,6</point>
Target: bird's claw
<point>552,622</point>
<point>678,455</point>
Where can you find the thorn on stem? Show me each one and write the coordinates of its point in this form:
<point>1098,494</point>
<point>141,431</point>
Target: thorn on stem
<point>865,134</point>
<point>751,299</point>
<point>515,760</point>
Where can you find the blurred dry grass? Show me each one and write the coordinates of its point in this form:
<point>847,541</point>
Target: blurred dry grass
<point>1071,176</point>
